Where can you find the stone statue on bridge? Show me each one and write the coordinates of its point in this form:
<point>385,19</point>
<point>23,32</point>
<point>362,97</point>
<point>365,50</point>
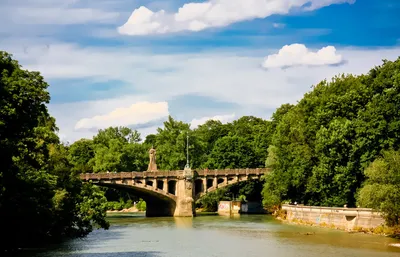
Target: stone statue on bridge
<point>152,163</point>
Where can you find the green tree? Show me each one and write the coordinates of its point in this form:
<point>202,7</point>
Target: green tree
<point>34,188</point>
<point>231,152</point>
<point>81,155</point>
<point>322,144</point>
<point>171,144</point>
<point>122,134</point>
<point>118,149</point>
<point>381,190</point>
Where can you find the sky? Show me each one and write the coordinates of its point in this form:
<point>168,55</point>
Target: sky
<point>134,62</point>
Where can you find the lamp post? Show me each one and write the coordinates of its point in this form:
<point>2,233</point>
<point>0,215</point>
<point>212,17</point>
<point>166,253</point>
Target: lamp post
<point>187,166</point>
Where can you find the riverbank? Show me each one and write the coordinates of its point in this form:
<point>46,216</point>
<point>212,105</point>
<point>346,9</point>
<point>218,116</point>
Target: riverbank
<point>131,209</point>
<point>351,220</point>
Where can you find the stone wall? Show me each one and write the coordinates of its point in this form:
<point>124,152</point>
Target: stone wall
<point>341,218</point>
<point>229,207</point>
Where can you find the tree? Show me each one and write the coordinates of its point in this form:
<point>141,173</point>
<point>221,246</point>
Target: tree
<point>118,149</point>
<point>122,134</point>
<point>150,140</point>
<point>81,155</point>
<point>35,186</point>
<point>231,152</point>
<point>171,144</point>
<point>381,190</point>
<point>322,144</point>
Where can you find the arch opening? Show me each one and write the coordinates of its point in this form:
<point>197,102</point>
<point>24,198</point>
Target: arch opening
<point>172,187</point>
<point>160,184</point>
<point>198,186</point>
<point>220,180</point>
<point>210,183</point>
<point>149,183</point>
<point>157,205</point>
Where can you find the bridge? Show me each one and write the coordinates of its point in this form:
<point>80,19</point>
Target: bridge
<point>172,193</point>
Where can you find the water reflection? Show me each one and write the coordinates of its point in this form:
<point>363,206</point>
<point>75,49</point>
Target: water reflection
<point>183,222</point>
<point>253,235</point>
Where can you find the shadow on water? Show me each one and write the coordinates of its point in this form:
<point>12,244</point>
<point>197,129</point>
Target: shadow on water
<point>91,254</point>
<point>116,254</point>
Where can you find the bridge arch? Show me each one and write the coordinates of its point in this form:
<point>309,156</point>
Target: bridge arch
<point>158,202</point>
<point>212,182</point>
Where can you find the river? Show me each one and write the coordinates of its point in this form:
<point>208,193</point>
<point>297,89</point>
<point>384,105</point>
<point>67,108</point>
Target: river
<point>133,235</point>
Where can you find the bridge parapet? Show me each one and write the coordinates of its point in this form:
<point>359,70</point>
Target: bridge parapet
<point>227,172</point>
<point>173,173</point>
<point>131,175</point>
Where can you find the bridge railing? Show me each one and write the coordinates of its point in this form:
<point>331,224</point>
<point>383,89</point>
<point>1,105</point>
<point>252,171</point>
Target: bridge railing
<point>130,175</point>
<point>258,171</point>
<point>172,173</point>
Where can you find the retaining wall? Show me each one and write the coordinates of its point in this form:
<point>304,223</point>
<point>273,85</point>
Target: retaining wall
<point>342,218</point>
<point>229,207</point>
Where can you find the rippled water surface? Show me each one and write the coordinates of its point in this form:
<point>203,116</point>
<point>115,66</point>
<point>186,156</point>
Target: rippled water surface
<point>132,235</point>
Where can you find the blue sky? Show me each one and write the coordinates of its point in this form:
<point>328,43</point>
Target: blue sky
<point>132,63</point>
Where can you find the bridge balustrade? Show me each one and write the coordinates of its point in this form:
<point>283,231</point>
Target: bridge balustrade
<point>173,173</point>
<point>233,172</point>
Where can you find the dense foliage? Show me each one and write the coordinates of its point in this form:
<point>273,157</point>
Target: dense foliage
<point>322,145</point>
<point>41,196</point>
<point>382,188</point>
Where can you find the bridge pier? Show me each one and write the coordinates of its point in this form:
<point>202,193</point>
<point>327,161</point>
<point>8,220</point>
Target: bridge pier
<point>185,206</point>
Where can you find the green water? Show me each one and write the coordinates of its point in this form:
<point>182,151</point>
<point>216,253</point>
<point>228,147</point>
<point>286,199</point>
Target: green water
<point>132,235</point>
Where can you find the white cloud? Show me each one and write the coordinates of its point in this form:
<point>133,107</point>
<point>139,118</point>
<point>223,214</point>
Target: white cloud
<point>222,75</point>
<point>299,55</point>
<point>223,118</point>
<point>19,16</point>
<point>62,16</point>
<point>136,114</point>
<point>213,13</point>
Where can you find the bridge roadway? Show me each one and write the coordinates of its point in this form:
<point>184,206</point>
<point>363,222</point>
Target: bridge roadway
<point>172,193</point>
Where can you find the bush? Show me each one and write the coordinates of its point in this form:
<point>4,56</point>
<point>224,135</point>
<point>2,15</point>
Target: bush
<point>128,204</point>
<point>141,205</point>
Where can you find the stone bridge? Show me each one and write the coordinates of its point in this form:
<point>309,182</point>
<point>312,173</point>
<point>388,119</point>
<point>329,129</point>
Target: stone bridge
<point>172,193</point>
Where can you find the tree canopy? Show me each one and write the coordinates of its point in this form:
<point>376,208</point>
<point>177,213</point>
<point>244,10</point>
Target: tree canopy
<point>41,196</point>
<point>322,145</point>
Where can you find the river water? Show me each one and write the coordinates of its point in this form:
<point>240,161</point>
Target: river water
<point>133,235</point>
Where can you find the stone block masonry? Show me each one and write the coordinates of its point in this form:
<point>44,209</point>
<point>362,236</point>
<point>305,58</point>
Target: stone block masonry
<point>341,218</point>
<point>229,207</point>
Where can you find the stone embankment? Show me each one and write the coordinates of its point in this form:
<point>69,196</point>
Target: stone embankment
<point>349,219</point>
